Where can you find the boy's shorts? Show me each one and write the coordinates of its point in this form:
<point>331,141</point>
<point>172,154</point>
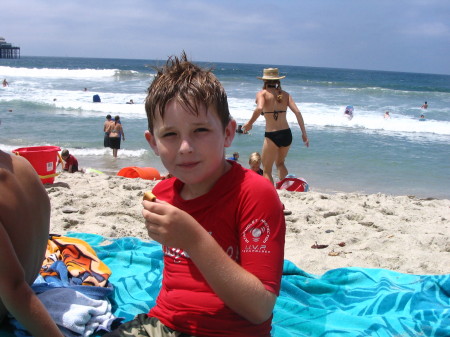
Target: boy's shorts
<point>144,326</point>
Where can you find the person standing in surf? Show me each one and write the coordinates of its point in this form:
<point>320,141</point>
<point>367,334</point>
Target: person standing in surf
<point>106,128</point>
<point>272,103</point>
<point>115,133</point>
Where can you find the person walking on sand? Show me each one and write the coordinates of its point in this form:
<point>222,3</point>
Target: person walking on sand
<point>115,133</point>
<point>272,103</point>
<point>24,214</point>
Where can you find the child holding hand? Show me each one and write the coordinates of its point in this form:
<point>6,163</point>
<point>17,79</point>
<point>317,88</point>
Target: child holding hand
<point>221,226</point>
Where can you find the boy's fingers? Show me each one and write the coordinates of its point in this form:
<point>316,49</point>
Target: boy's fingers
<point>155,207</point>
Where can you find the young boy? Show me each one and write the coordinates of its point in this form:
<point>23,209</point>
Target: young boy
<point>254,160</point>
<point>24,227</point>
<point>221,226</point>
<point>70,162</point>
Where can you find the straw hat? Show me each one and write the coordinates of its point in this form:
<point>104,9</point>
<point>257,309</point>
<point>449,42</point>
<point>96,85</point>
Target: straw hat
<point>271,74</point>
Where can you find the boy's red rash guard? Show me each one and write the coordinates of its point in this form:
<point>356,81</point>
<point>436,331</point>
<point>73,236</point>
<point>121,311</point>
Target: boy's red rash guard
<point>245,216</point>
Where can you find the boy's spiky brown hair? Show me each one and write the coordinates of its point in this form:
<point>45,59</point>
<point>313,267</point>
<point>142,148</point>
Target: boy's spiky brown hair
<point>188,84</point>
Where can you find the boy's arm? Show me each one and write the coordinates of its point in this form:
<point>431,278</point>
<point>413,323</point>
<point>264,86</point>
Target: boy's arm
<point>17,296</point>
<point>239,289</point>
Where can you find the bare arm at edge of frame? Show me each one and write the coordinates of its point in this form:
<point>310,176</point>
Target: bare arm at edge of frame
<point>300,121</point>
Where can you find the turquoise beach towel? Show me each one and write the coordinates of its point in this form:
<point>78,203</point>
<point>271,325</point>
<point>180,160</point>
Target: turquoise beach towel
<point>341,302</point>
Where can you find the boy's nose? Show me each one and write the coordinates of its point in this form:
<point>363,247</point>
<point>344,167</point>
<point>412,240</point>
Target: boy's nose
<point>185,146</point>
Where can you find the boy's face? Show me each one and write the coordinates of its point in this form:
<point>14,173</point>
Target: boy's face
<point>254,166</point>
<point>191,147</point>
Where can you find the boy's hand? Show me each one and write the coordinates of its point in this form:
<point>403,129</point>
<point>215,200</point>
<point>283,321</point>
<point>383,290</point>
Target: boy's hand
<point>169,225</point>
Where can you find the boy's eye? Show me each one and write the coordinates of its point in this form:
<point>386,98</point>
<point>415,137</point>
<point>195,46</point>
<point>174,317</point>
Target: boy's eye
<point>201,130</point>
<point>168,134</point>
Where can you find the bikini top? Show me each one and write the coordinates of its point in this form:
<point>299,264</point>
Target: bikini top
<point>275,113</point>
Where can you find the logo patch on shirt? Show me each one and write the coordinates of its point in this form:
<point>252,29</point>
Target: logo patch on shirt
<point>256,235</point>
<point>176,253</point>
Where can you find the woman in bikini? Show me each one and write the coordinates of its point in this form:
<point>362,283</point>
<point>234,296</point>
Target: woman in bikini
<point>272,103</point>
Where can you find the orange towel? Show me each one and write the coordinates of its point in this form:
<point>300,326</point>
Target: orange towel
<point>80,259</point>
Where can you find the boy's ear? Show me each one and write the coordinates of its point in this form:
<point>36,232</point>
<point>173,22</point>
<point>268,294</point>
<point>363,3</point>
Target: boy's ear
<point>230,132</point>
<point>151,141</point>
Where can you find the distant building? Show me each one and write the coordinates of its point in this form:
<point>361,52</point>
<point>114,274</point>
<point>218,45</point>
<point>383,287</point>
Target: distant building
<point>8,51</point>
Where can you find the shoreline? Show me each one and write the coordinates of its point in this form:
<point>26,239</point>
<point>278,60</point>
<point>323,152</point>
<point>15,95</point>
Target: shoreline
<point>113,173</point>
<point>401,233</point>
<point>110,166</point>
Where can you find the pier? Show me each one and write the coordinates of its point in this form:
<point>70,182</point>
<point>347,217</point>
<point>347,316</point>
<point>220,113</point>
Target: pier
<point>8,51</point>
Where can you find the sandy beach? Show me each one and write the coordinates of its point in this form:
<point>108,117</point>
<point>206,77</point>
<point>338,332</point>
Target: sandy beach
<point>400,233</point>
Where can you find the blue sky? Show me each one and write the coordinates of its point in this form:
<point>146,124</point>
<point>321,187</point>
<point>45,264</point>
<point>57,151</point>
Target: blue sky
<point>393,35</point>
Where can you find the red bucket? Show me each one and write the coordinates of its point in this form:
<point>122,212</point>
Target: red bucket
<point>293,184</point>
<point>43,159</point>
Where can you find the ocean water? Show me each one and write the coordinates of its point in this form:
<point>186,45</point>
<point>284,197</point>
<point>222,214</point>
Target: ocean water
<point>46,104</point>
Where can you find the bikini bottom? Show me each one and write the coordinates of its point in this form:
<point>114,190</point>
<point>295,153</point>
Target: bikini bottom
<point>114,142</point>
<point>281,138</point>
